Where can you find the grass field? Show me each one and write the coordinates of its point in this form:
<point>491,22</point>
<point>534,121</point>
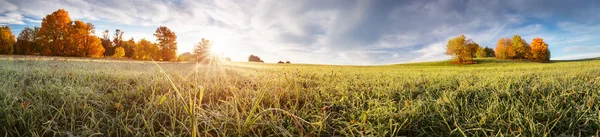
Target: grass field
<point>493,98</point>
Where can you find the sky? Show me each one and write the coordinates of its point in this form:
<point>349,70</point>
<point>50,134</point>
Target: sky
<point>349,32</point>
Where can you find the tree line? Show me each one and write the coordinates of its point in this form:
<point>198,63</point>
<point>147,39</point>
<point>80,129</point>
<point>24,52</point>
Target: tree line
<point>60,36</point>
<point>463,50</point>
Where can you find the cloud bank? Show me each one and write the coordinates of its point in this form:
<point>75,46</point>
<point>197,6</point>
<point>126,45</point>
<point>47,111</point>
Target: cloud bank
<point>357,32</point>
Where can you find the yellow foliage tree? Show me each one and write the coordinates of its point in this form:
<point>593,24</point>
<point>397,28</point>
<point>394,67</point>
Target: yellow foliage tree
<point>119,52</point>
<point>461,49</point>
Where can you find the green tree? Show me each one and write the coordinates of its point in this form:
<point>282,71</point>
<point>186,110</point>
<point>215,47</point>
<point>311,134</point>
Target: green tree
<point>167,41</point>
<point>489,52</point>
<point>7,40</point>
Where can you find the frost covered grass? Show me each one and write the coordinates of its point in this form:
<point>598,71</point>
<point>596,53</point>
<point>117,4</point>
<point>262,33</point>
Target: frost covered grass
<point>493,98</point>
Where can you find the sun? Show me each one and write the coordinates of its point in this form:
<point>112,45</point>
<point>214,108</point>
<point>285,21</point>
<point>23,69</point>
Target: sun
<point>217,49</point>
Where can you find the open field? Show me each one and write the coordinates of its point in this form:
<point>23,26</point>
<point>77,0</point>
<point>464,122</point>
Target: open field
<point>493,98</point>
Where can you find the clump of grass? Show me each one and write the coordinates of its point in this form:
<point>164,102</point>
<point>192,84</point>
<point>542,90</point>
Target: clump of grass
<point>494,98</point>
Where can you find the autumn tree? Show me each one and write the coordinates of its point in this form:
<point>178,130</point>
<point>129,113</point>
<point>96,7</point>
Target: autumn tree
<point>461,49</point>
<point>107,44</point>
<point>202,51</point>
<point>119,52</point>
<point>118,39</point>
<point>7,40</point>
<point>94,49</point>
<point>521,48</point>
<point>504,49</point>
<point>26,42</point>
<point>167,41</point>
<point>128,46</point>
<point>539,50</point>
<point>54,33</point>
<point>481,53</point>
<point>145,50</point>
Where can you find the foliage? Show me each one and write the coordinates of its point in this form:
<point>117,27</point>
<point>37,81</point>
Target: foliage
<point>254,58</point>
<point>287,62</point>
<point>27,43</point>
<point>129,48</point>
<point>167,43</point>
<point>504,49</point>
<point>521,48</point>
<point>489,52</point>
<point>54,30</point>
<point>280,62</point>
<point>462,49</point>
<point>539,50</point>
<point>107,44</point>
<point>187,56</point>
<point>119,52</point>
<point>7,40</point>
<point>145,50</point>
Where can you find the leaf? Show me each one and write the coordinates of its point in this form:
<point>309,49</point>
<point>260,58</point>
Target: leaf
<point>26,104</point>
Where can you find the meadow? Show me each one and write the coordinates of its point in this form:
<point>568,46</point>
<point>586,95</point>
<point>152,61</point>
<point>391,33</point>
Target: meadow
<point>142,98</point>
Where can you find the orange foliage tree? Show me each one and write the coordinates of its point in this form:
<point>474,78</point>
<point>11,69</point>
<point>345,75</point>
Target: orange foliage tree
<point>7,40</point>
<point>53,33</point>
<point>167,42</point>
<point>504,49</point>
<point>539,50</point>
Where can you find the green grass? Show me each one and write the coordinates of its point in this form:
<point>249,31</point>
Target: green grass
<point>493,98</point>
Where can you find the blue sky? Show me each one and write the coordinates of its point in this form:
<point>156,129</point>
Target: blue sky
<point>357,32</point>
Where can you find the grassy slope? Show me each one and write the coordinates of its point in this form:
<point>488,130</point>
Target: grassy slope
<point>251,99</point>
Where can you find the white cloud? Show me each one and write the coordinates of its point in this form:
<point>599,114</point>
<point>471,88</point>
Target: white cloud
<point>315,31</point>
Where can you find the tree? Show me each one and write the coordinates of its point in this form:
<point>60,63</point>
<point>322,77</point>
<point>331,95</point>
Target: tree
<point>504,49</point>
<point>489,52</point>
<point>539,50</point>
<point>228,59</point>
<point>7,40</point>
<point>24,45</point>
<point>461,49</point>
<point>54,33</point>
<point>118,38</point>
<point>145,50</point>
<point>254,58</point>
<point>280,62</point>
<point>202,51</point>
<point>287,62</point>
<point>481,53</point>
<point>128,46</point>
<point>94,49</point>
<point>78,39</point>
<point>521,48</point>
<point>185,56</point>
<point>107,44</point>
<point>119,52</point>
<point>167,41</point>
